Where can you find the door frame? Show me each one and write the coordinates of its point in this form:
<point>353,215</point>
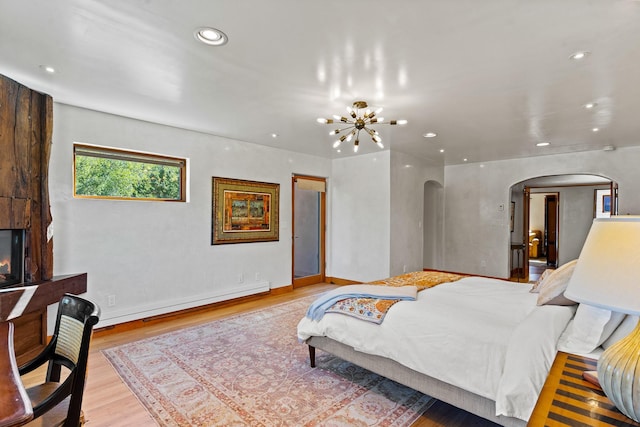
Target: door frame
<point>318,278</point>
<point>613,185</point>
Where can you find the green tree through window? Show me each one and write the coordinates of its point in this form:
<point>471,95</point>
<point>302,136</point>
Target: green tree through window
<point>109,173</point>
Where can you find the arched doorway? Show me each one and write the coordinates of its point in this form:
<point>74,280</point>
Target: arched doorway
<point>433,226</point>
<point>560,233</point>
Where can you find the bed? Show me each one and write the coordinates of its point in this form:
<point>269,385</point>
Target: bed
<point>481,344</point>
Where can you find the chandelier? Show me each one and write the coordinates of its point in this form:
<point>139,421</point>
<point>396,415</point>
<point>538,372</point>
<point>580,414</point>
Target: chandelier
<point>357,121</point>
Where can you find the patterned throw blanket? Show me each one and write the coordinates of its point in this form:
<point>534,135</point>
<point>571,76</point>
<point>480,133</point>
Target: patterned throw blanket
<point>375,309</point>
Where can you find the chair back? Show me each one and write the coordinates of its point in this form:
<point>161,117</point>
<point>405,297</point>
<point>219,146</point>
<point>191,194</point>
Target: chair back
<point>75,320</point>
<point>74,325</point>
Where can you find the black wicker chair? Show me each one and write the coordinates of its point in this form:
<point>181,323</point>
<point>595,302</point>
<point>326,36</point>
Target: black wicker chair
<point>57,403</point>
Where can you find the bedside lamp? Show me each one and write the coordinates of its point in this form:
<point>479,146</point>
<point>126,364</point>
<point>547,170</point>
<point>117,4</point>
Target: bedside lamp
<point>607,276</point>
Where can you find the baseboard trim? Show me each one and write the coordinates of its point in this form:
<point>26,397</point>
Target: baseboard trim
<point>339,281</point>
<point>141,323</point>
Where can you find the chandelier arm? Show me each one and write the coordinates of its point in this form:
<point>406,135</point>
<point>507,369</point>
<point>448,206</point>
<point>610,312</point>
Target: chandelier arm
<point>343,129</point>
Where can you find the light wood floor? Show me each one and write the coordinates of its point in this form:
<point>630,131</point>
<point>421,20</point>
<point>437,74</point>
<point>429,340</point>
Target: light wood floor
<point>108,402</point>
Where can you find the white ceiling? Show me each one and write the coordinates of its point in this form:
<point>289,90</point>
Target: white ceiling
<point>491,77</point>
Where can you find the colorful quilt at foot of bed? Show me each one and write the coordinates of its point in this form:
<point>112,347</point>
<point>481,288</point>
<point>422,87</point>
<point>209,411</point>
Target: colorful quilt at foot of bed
<point>374,310</point>
<point>420,279</point>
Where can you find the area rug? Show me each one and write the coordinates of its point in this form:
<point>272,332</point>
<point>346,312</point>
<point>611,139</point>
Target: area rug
<point>250,370</point>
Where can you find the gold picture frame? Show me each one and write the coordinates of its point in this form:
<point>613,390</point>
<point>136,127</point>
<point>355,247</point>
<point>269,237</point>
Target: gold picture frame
<point>244,211</point>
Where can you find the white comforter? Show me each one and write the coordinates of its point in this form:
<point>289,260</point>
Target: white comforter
<point>483,335</point>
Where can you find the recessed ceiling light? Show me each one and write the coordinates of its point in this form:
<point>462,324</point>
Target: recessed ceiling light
<point>430,135</point>
<point>579,55</point>
<point>542,144</point>
<point>274,135</point>
<point>48,68</point>
<point>464,160</point>
<point>590,105</point>
<point>442,150</point>
<point>211,36</point>
<point>595,129</point>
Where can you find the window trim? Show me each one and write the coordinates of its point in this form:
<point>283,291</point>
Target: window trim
<point>111,153</point>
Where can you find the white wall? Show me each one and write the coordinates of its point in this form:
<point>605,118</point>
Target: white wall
<point>477,233</point>
<point>576,216</point>
<point>360,217</point>
<point>157,257</point>
<point>408,176</point>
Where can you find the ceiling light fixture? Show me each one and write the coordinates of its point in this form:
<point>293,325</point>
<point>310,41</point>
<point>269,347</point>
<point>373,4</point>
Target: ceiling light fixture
<point>542,144</point>
<point>211,36</point>
<point>358,120</point>
<point>595,129</point>
<point>590,105</point>
<point>48,68</point>
<point>430,135</point>
<point>579,55</point>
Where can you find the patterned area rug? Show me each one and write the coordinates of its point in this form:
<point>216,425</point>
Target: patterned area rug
<point>250,370</point>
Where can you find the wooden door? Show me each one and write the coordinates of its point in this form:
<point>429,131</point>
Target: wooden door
<point>551,229</point>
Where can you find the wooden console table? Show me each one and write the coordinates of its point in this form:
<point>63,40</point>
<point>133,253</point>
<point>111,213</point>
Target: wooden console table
<point>15,406</point>
<point>568,400</point>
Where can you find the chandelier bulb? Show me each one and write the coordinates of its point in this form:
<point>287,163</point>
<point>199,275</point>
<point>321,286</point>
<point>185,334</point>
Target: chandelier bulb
<point>334,132</point>
<point>398,122</point>
<point>375,113</point>
<point>379,144</point>
<point>350,136</point>
<point>336,144</point>
<point>355,146</point>
<point>324,121</point>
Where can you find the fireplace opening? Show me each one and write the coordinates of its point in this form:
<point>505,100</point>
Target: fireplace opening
<point>11,257</point>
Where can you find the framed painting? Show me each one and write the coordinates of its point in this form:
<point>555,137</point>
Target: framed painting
<point>602,204</point>
<point>243,211</point>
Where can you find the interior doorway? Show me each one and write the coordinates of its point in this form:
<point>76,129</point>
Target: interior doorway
<point>308,230</point>
<point>573,201</point>
<point>543,230</point>
<point>433,226</point>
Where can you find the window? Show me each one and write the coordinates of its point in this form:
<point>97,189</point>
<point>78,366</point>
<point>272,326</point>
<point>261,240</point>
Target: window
<point>108,173</point>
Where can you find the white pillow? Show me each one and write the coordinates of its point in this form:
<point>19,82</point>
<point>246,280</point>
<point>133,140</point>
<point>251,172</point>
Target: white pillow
<point>590,327</point>
<point>551,290</point>
<point>624,329</point>
<point>536,286</point>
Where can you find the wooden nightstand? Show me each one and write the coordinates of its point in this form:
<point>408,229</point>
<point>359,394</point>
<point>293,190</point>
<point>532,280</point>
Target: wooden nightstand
<point>568,400</point>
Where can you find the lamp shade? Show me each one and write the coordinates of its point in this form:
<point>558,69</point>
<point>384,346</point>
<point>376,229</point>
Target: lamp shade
<point>607,272</point>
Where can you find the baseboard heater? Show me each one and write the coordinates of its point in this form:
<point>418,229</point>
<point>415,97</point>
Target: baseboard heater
<point>166,307</point>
